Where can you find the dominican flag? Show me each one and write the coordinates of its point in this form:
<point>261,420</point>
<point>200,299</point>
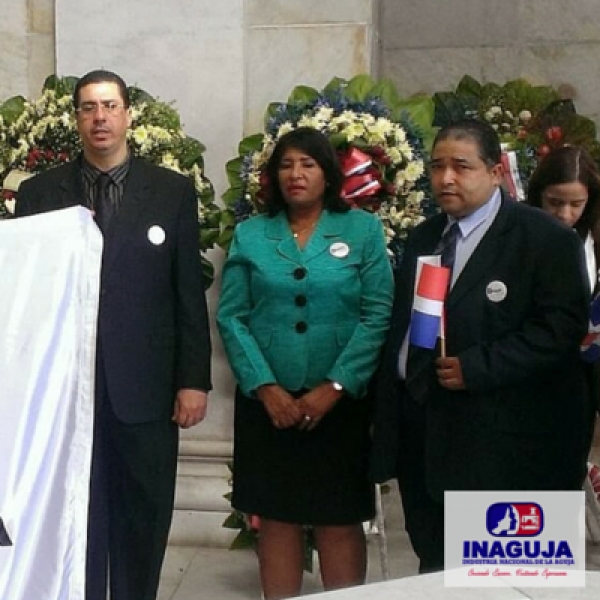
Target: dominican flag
<point>428,304</point>
<point>590,347</point>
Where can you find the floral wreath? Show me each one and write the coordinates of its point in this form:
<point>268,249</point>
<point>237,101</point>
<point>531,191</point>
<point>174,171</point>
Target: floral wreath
<point>37,135</point>
<point>531,120</point>
<point>380,141</point>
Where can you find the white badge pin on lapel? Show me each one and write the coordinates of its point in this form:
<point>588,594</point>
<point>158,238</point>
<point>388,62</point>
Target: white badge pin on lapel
<point>156,235</point>
<point>339,249</point>
<point>496,291</point>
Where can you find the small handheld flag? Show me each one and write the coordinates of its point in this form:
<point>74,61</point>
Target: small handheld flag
<point>590,346</point>
<point>428,304</point>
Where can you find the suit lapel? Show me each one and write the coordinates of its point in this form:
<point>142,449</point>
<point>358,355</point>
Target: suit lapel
<point>278,230</point>
<point>485,254</point>
<point>136,188</point>
<point>327,228</point>
<point>72,190</point>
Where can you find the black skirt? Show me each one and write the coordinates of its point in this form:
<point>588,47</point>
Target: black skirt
<point>317,477</point>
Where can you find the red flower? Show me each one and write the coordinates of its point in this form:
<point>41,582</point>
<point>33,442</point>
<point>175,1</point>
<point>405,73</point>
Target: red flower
<point>543,150</point>
<point>554,134</point>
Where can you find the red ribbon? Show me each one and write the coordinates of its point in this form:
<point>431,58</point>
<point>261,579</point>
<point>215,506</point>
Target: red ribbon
<point>362,178</point>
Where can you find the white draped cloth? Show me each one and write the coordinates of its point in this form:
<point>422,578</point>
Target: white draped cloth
<point>49,290</point>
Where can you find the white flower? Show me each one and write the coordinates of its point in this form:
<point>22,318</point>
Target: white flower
<point>140,135</point>
<point>284,128</point>
<point>354,130</point>
<point>495,110</point>
<point>309,121</point>
<point>414,170</point>
<point>324,113</point>
<point>525,116</point>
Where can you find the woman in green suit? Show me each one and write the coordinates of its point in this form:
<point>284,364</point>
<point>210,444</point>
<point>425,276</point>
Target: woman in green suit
<point>305,305</point>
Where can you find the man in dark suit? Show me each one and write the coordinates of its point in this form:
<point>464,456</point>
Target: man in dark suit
<point>153,350</point>
<point>505,408</point>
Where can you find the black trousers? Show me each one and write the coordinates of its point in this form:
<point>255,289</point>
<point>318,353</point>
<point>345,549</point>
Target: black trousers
<point>132,491</point>
<point>423,516</point>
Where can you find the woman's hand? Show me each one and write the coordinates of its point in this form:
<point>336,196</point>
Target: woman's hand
<point>280,406</point>
<point>315,404</point>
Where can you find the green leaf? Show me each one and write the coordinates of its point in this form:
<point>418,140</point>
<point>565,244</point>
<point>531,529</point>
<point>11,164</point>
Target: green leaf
<point>303,94</point>
<point>386,91</point>
<point>271,111</point>
<point>208,238</point>
<point>252,143</point>
<point>137,94</point>
<point>244,540</point>
<point>338,140</point>
<point>235,520</point>
<point>12,108</point>
<point>421,110</point>
<point>358,87</point>
<point>225,238</point>
<point>190,152</point>
<point>228,219</point>
<point>233,169</point>
<point>61,85</point>
<point>469,86</point>
<point>451,107</point>
<point>228,496</point>
<point>232,195</point>
<point>335,85</point>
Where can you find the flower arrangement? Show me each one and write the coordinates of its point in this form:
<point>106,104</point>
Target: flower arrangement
<point>530,120</point>
<point>380,140</point>
<point>40,134</point>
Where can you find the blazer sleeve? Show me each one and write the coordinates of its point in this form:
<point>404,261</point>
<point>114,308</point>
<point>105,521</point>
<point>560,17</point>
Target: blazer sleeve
<point>193,346</point>
<point>358,360</point>
<point>551,331</point>
<point>247,361</point>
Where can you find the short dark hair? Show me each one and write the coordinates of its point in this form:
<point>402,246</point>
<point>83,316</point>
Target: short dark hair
<point>101,76</point>
<point>316,145</point>
<point>569,164</point>
<point>480,132</point>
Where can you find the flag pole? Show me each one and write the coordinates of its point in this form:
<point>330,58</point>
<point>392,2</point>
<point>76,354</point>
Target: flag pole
<point>443,334</point>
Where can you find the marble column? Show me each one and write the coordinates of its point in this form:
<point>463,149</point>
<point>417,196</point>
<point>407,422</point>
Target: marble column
<point>26,46</point>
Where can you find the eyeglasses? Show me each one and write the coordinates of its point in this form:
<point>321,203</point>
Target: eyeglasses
<point>109,107</point>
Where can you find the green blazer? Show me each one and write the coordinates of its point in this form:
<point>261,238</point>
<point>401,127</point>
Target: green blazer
<point>299,317</point>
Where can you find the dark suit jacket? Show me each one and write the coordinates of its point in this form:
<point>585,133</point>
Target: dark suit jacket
<point>519,357</point>
<point>152,327</point>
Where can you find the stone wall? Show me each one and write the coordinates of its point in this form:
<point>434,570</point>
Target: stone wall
<point>26,46</point>
<point>427,45</point>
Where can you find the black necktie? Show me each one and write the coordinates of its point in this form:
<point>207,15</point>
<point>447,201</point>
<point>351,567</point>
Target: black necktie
<point>419,363</point>
<point>447,245</point>
<point>104,207</point>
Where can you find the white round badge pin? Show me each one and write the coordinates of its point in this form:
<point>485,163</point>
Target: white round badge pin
<point>496,291</point>
<point>339,249</point>
<point>156,235</point>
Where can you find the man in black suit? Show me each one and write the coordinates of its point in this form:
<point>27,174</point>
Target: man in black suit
<point>505,408</point>
<point>153,350</point>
